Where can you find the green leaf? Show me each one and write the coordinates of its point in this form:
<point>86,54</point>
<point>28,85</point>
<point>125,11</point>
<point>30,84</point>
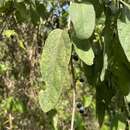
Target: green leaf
<point>121,125</point>
<point>123,25</point>
<point>100,106</point>
<point>98,6</point>
<point>87,100</point>
<point>35,18</point>
<point>41,9</point>
<point>82,16</point>
<point>128,98</point>
<point>3,68</point>
<point>22,13</point>
<point>105,65</point>
<point>90,73</point>
<point>79,123</point>
<point>1,3</point>
<point>9,33</point>
<point>54,68</point>
<point>55,122</point>
<point>100,111</point>
<point>19,1</point>
<point>117,62</point>
<point>121,78</point>
<point>84,51</point>
<point>105,127</point>
<point>6,6</point>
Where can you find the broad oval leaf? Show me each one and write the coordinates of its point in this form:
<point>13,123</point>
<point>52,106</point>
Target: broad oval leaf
<point>54,67</point>
<point>84,51</point>
<point>82,16</point>
<point>123,25</point>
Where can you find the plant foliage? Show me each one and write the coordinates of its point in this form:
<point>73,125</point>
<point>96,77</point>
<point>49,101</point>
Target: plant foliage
<point>97,32</point>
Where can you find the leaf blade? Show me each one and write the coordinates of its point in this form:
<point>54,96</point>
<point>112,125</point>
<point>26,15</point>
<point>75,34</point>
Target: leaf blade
<point>54,67</point>
<point>83,18</point>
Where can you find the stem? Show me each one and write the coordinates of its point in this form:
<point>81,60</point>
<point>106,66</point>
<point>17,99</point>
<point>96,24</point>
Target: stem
<point>73,111</point>
<point>121,1</point>
<point>127,111</point>
<point>73,84</point>
<point>127,107</point>
<point>74,95</point>
<point>10,122</point>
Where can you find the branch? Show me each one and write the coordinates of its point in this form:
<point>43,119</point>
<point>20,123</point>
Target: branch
<point>74,95</point>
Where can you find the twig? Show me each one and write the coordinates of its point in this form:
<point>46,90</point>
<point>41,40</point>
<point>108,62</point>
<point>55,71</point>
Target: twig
<point>73,84</point>
<point>124,3</point>
<point>10,122</point>
<point>73,111</point>
<point>74,95</point>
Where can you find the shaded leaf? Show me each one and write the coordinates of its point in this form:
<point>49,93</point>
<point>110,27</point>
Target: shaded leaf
<point>6,6</point>
<point>41,9</point>
<point>117,62</point>
<point>90,73</point>
<point>35,18</point>
<point>22,13</point>
<point>79,123</point>
<point>121,78</point>
<point>100,110</point>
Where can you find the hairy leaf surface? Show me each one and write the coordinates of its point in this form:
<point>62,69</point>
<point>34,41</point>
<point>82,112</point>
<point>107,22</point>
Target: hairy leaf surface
<point>84,51</point>
<point>82,16</point>
<point>54,67</point>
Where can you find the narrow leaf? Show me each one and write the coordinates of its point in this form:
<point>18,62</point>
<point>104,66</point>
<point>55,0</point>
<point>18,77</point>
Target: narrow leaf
<point>105,65</point>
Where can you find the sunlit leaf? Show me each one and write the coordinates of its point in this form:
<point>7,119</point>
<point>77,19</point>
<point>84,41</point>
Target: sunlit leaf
<point>84,51</point>
<point>105,65</point>
<point>82,16</point>
<point>123,25</point>
<point>3,68</point>
<point>121,125</point>
<point>128,97</point>
<point>9,33</point>
<point>87,100</point>
<point>54,67</point>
